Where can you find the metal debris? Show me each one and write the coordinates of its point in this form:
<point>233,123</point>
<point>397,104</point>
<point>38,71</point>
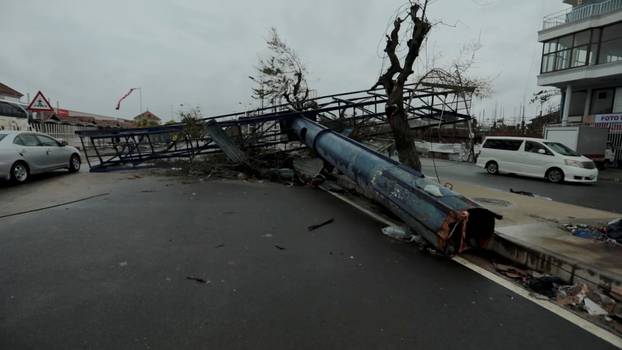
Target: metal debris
<point>197,279</point>
<point>226,144</point>
<point>315,227</point>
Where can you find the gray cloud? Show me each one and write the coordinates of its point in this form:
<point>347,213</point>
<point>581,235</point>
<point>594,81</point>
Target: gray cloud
<point>88,53</point>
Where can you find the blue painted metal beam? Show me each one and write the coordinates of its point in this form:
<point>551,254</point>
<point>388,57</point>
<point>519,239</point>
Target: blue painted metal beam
<point>446,219</point>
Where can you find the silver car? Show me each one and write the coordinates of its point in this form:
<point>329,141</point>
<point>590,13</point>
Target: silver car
<point>23,153</point>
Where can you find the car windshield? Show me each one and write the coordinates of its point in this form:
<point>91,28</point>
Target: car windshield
<point>562,149</point>
<point>2,136</point>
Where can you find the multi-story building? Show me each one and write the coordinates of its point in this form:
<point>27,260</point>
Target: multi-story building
<point>582,56</point>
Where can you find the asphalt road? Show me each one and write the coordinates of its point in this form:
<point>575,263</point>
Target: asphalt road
<point>112,273</point>
<point>604,195</point>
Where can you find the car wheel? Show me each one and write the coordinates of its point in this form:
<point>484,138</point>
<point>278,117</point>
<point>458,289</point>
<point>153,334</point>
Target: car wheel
<point>492,168</point>
<point>20,172</point>
<point>74,163</point>
<point>555,175</point>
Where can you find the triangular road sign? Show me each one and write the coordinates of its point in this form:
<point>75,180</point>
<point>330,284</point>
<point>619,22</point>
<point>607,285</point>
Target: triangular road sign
<point>40,104</point>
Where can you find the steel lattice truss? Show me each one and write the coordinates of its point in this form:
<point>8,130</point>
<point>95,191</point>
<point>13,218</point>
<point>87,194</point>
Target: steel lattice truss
<point>358,113</point>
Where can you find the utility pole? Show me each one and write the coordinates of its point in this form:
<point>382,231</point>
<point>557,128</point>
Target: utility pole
<point>140,94</point>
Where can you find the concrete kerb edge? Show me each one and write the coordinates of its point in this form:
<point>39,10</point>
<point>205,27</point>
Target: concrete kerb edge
<point>558,265</point>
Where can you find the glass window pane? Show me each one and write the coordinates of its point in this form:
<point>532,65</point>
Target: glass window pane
<point>582,38</point>
<point>47,141</point>
<point>579,56</point>
<point>596,35</point>
<point>593,54</point>
<point>612,32</point>
<point>550,46</point>
<point>563,60</point>
<point>565,42</point>
<point>548,63</point>
<point>29,140</point>
<point>610,51</point>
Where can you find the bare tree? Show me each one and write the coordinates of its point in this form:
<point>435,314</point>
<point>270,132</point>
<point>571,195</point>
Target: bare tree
<point>396,76</point>
<point>459,77</point>
<point>544,97</point>
<point>281,74</point>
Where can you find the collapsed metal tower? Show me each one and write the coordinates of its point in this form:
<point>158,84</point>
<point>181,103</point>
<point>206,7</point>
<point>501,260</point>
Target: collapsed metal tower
<point>446,219</point>
<point>360,114</point>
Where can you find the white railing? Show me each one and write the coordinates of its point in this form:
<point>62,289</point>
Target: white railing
<point>580,13</point>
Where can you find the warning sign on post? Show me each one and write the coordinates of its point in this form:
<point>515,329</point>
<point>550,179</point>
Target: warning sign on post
<point>40,104</point>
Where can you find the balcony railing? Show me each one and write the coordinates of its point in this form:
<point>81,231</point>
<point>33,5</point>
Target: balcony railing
<point>581,13</point>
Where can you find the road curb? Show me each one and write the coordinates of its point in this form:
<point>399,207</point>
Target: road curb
<point>559,265</point>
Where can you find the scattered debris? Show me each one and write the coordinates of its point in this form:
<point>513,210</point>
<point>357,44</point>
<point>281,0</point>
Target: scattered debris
<point>529,194</point>
<point>279,247</point>
<point>546,285</point>
<point>220,246</point>
<point>614,230</point>
<point>278,175</point>
<point>609,234</point>
<point>309,170</point>
<point>54,206</point>
<point>315,227</point>
<point>572,295</point>
<point>593,309</point>
<point>197,279</point>
<point>511,271</point>
<point>399,233</point>
<point>123,263</point>
<point>267,235</point>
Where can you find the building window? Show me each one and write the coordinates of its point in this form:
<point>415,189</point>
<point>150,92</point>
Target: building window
<point>602,101</point>
<point>589,47</point>
<point>569,51</point>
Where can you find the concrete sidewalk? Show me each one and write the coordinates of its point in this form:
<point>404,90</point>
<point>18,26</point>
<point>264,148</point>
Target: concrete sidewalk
<point>611,175</point>
<point>530,234</point>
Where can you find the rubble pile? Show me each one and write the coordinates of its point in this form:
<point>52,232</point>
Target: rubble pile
<point>610,233</point>
<point>594,303</point>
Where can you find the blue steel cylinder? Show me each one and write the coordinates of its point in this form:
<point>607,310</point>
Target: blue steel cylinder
<point>446,219</point>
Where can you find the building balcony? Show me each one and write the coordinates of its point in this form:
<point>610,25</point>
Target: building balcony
<point>581,13</point>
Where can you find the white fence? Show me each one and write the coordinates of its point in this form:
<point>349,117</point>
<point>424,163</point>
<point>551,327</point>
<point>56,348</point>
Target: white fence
<point>580,13</point>
<point>61,131</point>
<point>615,137</point>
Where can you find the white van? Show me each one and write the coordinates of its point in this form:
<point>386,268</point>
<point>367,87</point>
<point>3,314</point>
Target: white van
<point>537,158</point>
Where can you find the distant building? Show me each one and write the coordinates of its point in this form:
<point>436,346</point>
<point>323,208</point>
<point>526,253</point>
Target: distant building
<point>582,56</point>
<point>537,124</point>
<point>9,94</point>
<point>147,119</point>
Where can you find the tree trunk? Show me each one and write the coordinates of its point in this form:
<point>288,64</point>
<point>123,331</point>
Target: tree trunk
<point>403,135</point>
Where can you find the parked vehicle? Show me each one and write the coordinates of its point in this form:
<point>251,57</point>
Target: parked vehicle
<point>536,158</point>
<point>585,140</point>
<point>24,153</point>
<point>13,116</point>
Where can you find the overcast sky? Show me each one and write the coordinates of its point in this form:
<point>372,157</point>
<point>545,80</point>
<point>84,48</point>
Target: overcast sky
<point>86,54</point>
